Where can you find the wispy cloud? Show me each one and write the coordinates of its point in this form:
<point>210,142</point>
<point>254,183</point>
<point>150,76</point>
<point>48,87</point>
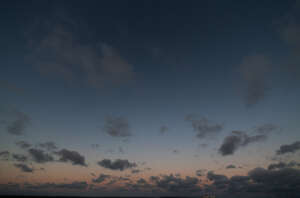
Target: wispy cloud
<point>254,71</point>
<point>203,127</point>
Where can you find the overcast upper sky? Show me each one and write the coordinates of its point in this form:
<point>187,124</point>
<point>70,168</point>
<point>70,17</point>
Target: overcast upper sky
<point>150,98</point>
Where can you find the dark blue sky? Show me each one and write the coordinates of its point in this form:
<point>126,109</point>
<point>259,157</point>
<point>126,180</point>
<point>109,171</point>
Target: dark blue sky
<point>170,86</point>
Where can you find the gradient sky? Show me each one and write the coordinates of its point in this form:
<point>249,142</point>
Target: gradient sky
<point>135,89</point>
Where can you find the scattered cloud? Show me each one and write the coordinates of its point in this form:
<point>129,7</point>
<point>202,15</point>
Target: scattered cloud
<point>4,155</point>
<point>76,185</point>
<point>24,168</point>
<point>288,148</point>
<point>118,164</point>
<point>176,184</point>
<point>19,157</point>
<point>50,146</point>
<point>101,178</point>
<point>135,171</point>
<point>39,156</point>
<point>203,127</point>
<point>200,172</point>
<point>254,71</point>
<point>266,128</point>
<point>71,156</point>
<point>117,127</point>
<point>218,180</point>
<point>230,166</point>
<point>23,144</point>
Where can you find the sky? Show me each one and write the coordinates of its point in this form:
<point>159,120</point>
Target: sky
<point>150,98</point>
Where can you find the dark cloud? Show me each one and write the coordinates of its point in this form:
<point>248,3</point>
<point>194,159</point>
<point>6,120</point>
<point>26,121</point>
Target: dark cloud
<point>288,148</point>
<point>238,139</point>
<point>19,157</point>
<point>203,127</point>
<point>163,129</point>
<point>276,181</point>
<point>40,156</point>
<point>50,146</point>
<point>4,155</point>
<point>24,168</point>
<point>221,181</point>
<point>23,144</point>
<point>57,48</point>
<point>118,164</point>
<point>281,165</point>
<point>230,166</point>
<point>176,184</point>
<point>258,182</point>
<point>71,156</point>
<point>76,185</point>
<point>19,124</point>
<point>101,178</point>
<point>117,127</point>
<point>254,71</point>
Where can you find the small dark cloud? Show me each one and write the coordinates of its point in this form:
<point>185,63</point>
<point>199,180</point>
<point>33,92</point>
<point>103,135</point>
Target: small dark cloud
<point>50,146</point>
<point>200,172</point>
<point>163,129</point>
<point>101,178</point>
<point>19,157</point>
<point>288,148</point>
<point>135,171</point>
<point>40,156</point>
<point>175,151</point>
<point>24,168</point>
<point>254,71</point>
<point>203,127</point>
<point>19,124</point>
<point>266,128</point>
<point>237,140</point>
<point>71,156</point>
<point>281,165</point>
<point>230,166</point>
<point>23,144</point>
<point>117,127</point>
<point>216,177</point>
<point>4,155</point>
<point>77,185</point>
<point>118,164</point>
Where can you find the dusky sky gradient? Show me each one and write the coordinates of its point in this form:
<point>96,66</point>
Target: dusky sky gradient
<point>148,97</point>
